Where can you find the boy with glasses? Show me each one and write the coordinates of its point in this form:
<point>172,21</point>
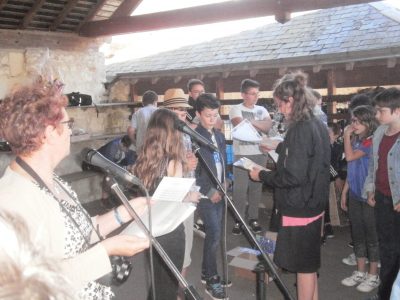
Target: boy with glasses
<point>245,190</point>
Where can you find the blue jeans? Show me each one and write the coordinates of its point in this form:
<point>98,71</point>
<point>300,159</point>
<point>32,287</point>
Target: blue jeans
<point>211,214</point>
<point>396,288</point>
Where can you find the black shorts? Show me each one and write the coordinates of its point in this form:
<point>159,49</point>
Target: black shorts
<point>298,248</point>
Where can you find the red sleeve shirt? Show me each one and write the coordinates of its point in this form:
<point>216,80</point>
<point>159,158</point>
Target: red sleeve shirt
<point>382,176</point>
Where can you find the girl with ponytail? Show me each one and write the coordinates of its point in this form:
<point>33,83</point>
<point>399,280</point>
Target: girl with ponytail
<point>301,182</point>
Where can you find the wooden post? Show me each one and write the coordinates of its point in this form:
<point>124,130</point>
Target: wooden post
<point>133,93</point>
<point>219,87</point>
<point>331,79</point>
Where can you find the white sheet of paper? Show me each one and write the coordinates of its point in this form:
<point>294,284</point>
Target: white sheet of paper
<point>273,155</point>
<point>246,132</point>
<point>267,141</point>
<point>173,189</point>
<point>248,164</point>
<point>165,215</point>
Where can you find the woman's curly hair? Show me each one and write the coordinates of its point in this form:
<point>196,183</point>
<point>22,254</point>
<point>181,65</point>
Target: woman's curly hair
<point>27,111</point>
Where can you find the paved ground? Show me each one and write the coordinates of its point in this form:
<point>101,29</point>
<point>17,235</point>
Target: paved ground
<point>331,273</point>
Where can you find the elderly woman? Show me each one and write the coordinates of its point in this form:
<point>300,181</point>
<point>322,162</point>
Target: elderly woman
<point>301,182</point>
<point>36,125</point>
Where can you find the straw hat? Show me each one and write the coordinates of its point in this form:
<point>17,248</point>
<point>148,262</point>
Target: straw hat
<point>175,98</point>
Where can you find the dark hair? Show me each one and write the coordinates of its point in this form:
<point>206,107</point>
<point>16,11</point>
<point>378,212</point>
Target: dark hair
<point>193,82</point>
<point>149,97</point>
<point>247,84</point>
<point>366,116</point>
<point>295,85</point>
<point>206,100</point>
<point>336,128</point>
<point>126,141</point>
<point>388,98</point>
<point>360,99</point>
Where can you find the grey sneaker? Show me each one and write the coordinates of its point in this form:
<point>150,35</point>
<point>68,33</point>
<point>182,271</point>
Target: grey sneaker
<point>223,283</point>
<point>214,289</point>
<point>356,278</point>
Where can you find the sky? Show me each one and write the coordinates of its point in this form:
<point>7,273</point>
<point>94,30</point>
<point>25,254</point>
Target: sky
<point>136,45</point>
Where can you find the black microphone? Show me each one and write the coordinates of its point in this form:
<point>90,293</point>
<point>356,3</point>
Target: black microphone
<point>182,126</point>
<point>94,158</point>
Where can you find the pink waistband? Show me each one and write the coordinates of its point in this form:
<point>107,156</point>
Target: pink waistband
<point>294,221</point>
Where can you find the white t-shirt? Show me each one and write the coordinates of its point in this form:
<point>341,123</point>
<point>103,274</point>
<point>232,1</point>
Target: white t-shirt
<point>258,113</point>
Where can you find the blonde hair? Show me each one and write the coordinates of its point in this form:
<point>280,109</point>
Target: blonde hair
<point>162,144</point>
<point>24,272</point>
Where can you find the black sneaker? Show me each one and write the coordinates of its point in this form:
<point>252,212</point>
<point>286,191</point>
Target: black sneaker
<point>255,227</point>
<point>328,231</point>
<point>223,283</point>
<point>237,229</point>
<point>215,289</point>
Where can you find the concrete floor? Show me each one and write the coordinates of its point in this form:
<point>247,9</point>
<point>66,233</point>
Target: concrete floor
<point>330,275</point>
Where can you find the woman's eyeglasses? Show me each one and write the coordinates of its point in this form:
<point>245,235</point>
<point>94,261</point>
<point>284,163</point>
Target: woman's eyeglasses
<point>355,121</point>
<point>70,123</point>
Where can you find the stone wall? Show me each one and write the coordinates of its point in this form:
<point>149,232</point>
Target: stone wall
<point>74,60</point>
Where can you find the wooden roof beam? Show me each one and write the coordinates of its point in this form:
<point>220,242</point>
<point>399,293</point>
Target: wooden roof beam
<point>92,13</point>
<point>61,17</point>
<point>31,14</point>
<point>205,14</point>
<point>126,8</point>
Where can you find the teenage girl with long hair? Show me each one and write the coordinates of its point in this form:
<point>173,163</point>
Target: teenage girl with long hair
<point>163,154</point>
<point>357,147</point>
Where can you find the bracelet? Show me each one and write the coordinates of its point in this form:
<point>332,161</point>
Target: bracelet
<point>118,216</point>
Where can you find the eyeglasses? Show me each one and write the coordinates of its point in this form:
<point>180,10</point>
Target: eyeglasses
<point>70,123</point>
<point>355,121</point>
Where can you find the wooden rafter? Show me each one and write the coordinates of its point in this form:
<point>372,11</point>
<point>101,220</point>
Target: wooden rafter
<point>93,11</point>
<point>126,8</point>
<point>61,17</point>
<point>31,13</point>
<point>232,10</point>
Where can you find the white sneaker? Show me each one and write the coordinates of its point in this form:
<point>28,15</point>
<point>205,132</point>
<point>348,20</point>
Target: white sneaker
<point>350,260</point>
<point>371,282</point>
<point>356,278</point>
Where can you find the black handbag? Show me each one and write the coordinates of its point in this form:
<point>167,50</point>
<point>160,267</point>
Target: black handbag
<point>78,99</point>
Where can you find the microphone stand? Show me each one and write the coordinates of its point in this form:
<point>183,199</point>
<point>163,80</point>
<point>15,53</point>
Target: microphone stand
<point>190,291</point>
<point>265,265</point>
